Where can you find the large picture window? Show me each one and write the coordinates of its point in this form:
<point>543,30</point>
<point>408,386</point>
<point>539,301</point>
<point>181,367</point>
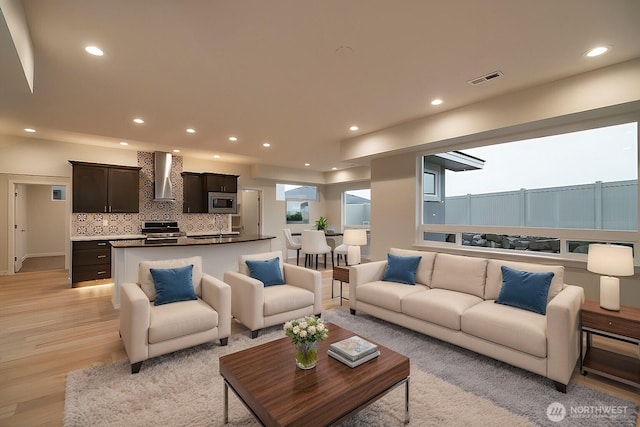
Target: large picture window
<point>585,180</point>
<point>357,208</point>
<point>297,199</point>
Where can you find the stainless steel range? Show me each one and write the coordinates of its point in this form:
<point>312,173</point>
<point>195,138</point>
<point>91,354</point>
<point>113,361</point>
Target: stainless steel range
<point>162,231</point>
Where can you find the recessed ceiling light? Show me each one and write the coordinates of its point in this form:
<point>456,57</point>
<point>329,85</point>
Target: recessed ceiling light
<point>216,156</point>
<point>94,50</point>
<point>124,143</point>
<point>30,130</point>
<point>138,120</point>
<point>233,139</point>
<point>266,144</point>
<point>191,130</point>
<point>597,51</point>
<point>436,101</point>
<point>307,164</point>
<point>176,151</point>
<point>334,168</point>
<point>354,128</point>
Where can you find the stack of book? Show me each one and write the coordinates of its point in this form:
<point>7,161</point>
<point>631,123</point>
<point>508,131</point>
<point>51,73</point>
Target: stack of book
<point>353,351</point>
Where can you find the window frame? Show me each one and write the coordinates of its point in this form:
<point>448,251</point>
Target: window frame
<point>565,235</point>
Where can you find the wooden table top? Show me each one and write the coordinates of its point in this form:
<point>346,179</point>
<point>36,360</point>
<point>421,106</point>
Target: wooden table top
<point>280,394</point>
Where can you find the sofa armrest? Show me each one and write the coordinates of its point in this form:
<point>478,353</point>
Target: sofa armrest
<point>308,279</point>
<point>135,314</point>
<point>247,299</point>
<point>217,294</point>
<point>563,333</point>
<point>360,274</point>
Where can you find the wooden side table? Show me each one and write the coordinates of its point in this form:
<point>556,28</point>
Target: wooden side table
<point>623,325</point>
<point>341,274</point>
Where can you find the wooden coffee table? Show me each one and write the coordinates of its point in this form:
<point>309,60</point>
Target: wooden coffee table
<point>265,378</point>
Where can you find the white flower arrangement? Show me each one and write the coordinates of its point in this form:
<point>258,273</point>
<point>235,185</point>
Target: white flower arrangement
<point>306,330</point>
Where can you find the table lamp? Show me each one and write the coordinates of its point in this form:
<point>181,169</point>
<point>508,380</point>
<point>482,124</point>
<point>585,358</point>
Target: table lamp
<point>354,238</point>
<point>610,260</point>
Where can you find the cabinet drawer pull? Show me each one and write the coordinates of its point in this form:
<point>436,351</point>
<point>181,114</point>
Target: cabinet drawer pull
<point>101,256</point>
<point>102,272</point>
<point>102,243</point>
<point>610,323</point>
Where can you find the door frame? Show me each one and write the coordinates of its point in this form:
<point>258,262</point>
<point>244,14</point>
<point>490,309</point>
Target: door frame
<point>36,180</point>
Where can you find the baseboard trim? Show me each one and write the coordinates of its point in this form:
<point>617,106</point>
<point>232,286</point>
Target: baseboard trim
<point>42,255</point>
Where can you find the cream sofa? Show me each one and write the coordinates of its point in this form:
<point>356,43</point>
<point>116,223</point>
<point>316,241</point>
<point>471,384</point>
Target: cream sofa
<point>454,300</point>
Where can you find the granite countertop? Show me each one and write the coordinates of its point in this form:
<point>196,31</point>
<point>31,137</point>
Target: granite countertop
<point>190,241</point>
<point>109,237</point>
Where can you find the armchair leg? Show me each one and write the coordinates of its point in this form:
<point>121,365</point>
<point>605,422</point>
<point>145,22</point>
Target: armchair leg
<point>135,367</point>
<point>254,334</point>
<point>224,341</point>
<point>562,388</point>
<point>298,257</point>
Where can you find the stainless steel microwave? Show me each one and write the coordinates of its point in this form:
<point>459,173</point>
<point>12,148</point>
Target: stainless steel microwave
<point>222,203</point>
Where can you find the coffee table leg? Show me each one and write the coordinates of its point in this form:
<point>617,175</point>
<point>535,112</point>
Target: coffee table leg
<point>407,416</point>
<point>226,403</point>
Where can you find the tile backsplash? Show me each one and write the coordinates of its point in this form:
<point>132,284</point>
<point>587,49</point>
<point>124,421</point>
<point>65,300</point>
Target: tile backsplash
<point>110,224</point>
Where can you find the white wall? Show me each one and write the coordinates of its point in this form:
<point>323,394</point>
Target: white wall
<point>45,222</point>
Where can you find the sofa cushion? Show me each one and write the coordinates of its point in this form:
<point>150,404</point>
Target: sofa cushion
<point>242,264</point>
<point>279,299</point>
<point>494,276</point>
<point>439,306</point>
<point>401,269</point>
<point>179,319</point>
<point>173,284</point>
<point>425,267</point>
<point>387,295</point>
<point>525,290</point>
<point>266,271</point>
<point>511,327</point>
<point>146,281</point>
<point>459,273</point>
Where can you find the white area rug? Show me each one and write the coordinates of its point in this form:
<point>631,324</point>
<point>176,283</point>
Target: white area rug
<point>186,389</point>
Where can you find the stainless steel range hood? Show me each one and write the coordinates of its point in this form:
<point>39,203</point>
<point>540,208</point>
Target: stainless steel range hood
<point>162,177</point>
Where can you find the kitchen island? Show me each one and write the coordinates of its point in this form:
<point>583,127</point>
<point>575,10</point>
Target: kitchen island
<point>219,254</point>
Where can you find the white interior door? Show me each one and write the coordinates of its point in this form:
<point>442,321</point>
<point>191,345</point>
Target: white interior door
<point>20,226</point>
<point>250,211</point>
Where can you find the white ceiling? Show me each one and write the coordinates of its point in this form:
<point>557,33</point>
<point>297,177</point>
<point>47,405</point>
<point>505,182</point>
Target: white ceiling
<point>272,70</point>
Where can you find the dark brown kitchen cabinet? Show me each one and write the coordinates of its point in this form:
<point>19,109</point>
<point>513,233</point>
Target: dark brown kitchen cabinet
<point>105,188</point>
<point>194,193</point>
<point>90,260</point>
<point>221,183</point>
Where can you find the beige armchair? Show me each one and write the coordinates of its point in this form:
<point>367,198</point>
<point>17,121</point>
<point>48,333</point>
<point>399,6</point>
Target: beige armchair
<point>258,306</point>
<point>148,330</point>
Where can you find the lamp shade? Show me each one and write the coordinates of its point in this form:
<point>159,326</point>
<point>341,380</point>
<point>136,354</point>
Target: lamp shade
<point>610,260</point>
<point>355,237</point>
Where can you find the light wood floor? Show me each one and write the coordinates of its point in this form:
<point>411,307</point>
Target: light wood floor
<point>48,329</point>
<point>43,263</point>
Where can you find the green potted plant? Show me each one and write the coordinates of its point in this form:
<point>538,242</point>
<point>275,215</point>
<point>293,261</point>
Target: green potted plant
<point>321,223</point>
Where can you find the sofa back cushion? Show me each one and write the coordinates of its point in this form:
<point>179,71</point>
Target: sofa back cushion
<point>494,276</point>
<point>146,281</point>
<point>425,267</point>
<point>242,261</point>
<point>460,273</point>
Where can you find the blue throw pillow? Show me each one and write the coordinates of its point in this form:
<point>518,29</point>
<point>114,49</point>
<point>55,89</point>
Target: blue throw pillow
<point>268,271</point>
<point>525,290</point>
<point>173,284</point>
<point>401,269</point>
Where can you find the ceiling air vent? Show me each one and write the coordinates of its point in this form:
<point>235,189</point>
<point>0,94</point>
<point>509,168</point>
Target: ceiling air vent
<point>485,78</point>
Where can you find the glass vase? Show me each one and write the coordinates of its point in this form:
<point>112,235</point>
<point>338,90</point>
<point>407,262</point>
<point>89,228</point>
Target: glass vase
<point>306,355</point>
